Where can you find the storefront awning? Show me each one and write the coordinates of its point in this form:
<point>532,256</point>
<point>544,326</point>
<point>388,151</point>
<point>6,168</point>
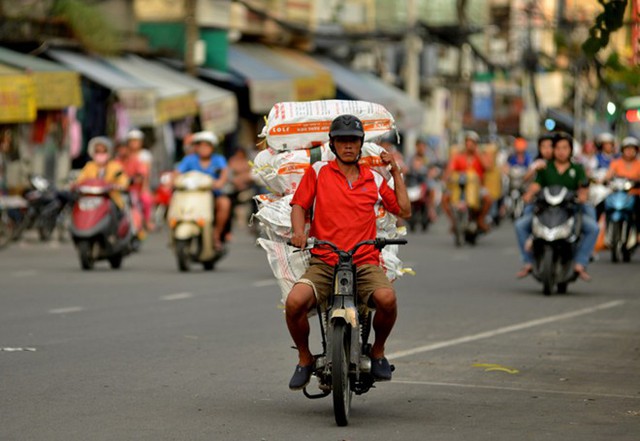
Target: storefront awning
<point>173,100</point>
<point>17,96</point>
<point>267,85</point>
<point>309,84</point>
<point>137,97</point>
<point>218,108</point>
<point>407,112</point>
<point>55,86</point>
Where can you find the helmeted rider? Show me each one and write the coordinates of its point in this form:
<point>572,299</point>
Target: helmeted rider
<point>343,195</point>
<point>606,145</point>
<point>470,159</point>
<point>628,167</point>
<point>563,172</point>
<point>205,160</point>
<point>101,166</point>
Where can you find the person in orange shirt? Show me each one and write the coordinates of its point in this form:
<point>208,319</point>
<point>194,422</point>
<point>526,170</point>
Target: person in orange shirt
<point>103,167</point>
<point>628,166</point>
<point>469,159</point>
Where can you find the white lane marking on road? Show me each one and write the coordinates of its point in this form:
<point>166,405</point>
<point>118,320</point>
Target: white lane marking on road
<point>66,310</point>
<point>25,273</point>
<point>178,296</point>
<point>517,389</point>
<point>505,330</point>
<point>265,282</point>
<point>17,349</point>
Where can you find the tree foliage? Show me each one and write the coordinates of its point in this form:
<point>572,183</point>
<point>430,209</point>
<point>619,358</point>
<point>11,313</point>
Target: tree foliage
<point>88,25</point>
<point>608,21</point>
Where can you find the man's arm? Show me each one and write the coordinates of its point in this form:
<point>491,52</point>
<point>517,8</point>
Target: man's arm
<point>400,187</point>
<point>298,236</point>
<point>533,189</point>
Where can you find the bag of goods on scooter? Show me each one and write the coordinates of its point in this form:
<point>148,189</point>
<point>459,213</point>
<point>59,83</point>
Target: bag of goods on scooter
<point>281,172</point>
<point>302,125</point>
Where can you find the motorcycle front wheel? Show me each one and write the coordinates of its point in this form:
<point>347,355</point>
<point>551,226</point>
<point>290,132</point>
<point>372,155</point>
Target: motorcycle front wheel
<point>85,252</point>
<point>183,248</point>
<point>616,242</point>
<point>341,387</point>
<point>548,271</point>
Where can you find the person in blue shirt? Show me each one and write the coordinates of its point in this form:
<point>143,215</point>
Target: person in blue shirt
<point>606,144</point>
<point>205,160</point>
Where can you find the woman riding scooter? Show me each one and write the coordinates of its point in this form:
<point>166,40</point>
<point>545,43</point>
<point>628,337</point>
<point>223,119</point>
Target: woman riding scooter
<point>103,167</point>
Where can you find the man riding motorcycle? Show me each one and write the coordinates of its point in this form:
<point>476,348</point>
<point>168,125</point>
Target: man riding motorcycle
<point>102,167</point>
<point>204,160</point>
<point>343,196</point>
<point>469,160</point>
<point>561,171</point>
<point>421,171</point>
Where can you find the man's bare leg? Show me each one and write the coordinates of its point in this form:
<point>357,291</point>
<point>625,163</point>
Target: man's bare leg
<point>383,319</point>
<point>299,302</point>
<point>223,211</point>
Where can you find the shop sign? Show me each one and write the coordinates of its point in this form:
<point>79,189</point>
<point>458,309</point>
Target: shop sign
<point>57,90</point>
<point>174,108</point>
<point>139,104</point>
<point>219,116</point>
<point>264,94</point>
<point>159,10</point>
<point>17,99</point>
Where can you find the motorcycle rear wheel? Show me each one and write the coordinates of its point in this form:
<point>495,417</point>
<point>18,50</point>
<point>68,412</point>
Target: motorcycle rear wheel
<point>341,387</point>
<point>116,261</point>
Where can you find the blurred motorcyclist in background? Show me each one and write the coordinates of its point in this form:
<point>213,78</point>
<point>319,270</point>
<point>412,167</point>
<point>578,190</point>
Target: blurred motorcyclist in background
<point>103,167</point>
<point>135,142</point>
<point>588,158</point>
<point>422,170</point>
<point>628,167</point>
<point>205,160</point>
<point>239,185</point>
<point>469,160</point>
<point>520,156</point>
<point>606,145</point>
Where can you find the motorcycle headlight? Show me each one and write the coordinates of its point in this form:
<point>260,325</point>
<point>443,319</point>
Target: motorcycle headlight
<point>562,231</point>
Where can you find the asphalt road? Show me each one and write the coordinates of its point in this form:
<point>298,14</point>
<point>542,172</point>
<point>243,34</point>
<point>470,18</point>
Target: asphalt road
<point>147,353</point>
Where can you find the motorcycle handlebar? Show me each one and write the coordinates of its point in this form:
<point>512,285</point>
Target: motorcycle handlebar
<point>378,242</point>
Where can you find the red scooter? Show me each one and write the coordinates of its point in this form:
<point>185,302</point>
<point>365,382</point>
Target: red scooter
<point>99,230</point>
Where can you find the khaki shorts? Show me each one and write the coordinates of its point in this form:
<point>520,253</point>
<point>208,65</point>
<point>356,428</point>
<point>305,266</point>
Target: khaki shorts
<point>319,276</point>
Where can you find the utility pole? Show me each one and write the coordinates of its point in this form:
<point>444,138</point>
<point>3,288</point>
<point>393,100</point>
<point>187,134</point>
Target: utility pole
<point>413,47</point>
<point>191,36</point>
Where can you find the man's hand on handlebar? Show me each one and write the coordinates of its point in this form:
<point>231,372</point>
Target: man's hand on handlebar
<point>299,240</point>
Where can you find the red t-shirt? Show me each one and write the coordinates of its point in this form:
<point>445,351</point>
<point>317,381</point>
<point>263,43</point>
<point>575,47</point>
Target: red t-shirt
<point>342,213</point>
<point>133,167</point>
<point>462,163</point>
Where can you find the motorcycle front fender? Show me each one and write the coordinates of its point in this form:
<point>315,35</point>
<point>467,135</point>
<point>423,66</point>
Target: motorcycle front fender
<point>349,315</point>
<point>186,230</point>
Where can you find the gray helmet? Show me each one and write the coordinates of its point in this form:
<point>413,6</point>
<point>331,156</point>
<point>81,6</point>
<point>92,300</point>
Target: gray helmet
<point>93,142</point>
<point>630,141</point>
<point>470,134</point>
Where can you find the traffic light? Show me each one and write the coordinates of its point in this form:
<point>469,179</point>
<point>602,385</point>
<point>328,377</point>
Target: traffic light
<point>633,115</point>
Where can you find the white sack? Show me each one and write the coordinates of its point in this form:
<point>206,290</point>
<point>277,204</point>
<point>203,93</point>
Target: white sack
<point>301,125</point>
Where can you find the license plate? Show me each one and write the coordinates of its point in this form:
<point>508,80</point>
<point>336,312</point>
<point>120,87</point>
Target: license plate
<point>89,203</point>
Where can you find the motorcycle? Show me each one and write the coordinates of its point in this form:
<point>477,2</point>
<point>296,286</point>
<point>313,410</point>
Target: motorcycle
<point>465,204</point>
<point>555,229</point>
<point>418,192</point>
<point>621,235</point>
<point>45,209</point>
<point>344,366</point>
<point>190,217</point>
<point>10,206</point>
<point>598,190</point>
<point>162,198</point>
<point>513,201</point>
<point>98,229</point>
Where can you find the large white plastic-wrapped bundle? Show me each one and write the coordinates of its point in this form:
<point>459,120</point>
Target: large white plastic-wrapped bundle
<point>301,125</point>
<point>282,171</point>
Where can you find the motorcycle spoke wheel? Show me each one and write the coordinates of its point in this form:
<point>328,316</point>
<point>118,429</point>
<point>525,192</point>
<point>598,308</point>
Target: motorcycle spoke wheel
<point>340,384</point>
